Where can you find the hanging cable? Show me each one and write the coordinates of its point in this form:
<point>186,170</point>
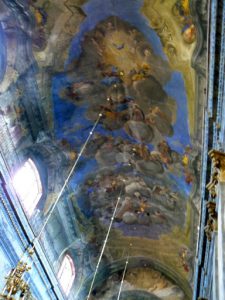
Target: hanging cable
<point>30,250</point>
<point>67,179</point>
<point>122,280</point>
<point>104,244</point>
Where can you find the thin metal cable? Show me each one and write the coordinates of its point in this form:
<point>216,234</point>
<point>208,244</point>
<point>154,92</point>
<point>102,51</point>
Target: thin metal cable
<point>29,250</point>
<point>122,280</point>
<point>104,245</point>
<point>66,181</point>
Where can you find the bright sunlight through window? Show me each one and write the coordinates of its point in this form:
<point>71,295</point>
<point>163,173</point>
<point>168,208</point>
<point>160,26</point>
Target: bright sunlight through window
<point>28,186</point>
<point>66,274</point>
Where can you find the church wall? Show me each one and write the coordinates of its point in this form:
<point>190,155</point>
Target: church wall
<point>209,265</point>
<point>57,237</point>
<point>13,241</point>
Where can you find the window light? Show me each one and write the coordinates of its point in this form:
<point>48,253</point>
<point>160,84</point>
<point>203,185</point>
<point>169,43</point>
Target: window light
<point>28,186</point>
<point>66,274</point>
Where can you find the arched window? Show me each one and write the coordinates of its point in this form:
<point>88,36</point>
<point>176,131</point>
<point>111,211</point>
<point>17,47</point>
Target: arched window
<point>27,184</point>
<point>66,274</point>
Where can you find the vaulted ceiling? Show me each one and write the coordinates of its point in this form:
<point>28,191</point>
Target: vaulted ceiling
<point>124,74</point>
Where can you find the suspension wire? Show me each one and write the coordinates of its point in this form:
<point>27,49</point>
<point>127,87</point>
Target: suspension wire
<point>104,244</point>
<point>36,239</point>
<point>122,280</point>
<point>67,180</point>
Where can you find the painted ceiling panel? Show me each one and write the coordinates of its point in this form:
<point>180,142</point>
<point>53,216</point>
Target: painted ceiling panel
<point>141,147</point>
<point>124,67</point>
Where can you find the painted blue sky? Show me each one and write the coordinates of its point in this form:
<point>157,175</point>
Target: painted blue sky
<point>127,10</point>
<point>68,114</point>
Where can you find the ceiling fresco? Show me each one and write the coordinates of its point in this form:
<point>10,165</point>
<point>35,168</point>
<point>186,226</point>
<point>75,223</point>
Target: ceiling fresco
<point>123,66</point>
<point>139,283</point>
<point>127,64</point>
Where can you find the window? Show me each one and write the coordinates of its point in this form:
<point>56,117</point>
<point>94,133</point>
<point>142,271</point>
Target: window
<point>28,186</point>
<point>66,274</point>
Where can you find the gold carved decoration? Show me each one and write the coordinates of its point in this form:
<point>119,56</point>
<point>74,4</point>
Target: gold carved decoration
<point>218,161</point>
<point>16,285</point>
<point>209,229</point>
<point>218,175</point>
<point>211,225</point>
<point>211,186</point>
